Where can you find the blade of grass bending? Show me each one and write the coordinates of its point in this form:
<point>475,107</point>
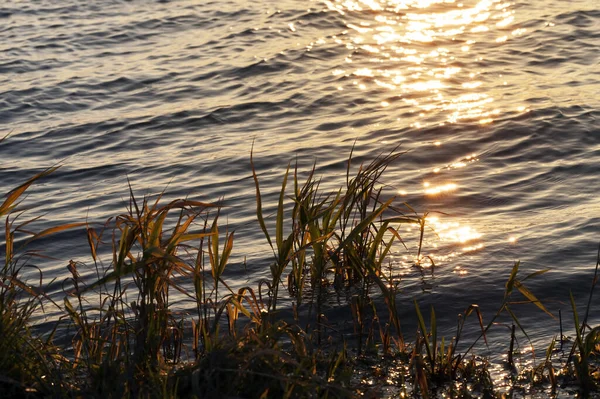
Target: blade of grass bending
<point>535,274</point>
<point>226,253</point>
<point>511,280</point>
<point>181,237</point>
<point>259,213</point>
<point>159,254</point>
<point>181,228</point>
<point>91,237</point>
<point>241,308</point>
<point>401,219</point>
<point>386,249</point>
<point>192,236</point>
<point>53,230</point>
<point>132,199</point>
<point>20,226</point>
<point>361,227</point>
<point>397,235</point>
<point>13,195</point>
<point>30,290</point>
<point>191,203</point>
<point>377,241</point>
<point>475,308</point>
<point>592,339</point>
<point>157,228</point>
<point>122,271</point>
<point>279,220</point>
<point>529,295</point>
<point>213,250</point>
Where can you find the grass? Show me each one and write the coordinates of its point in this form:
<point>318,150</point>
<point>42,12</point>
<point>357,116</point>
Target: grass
<point>126,339</point>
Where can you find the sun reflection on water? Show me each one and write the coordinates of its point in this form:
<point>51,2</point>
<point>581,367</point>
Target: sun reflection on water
<point>443,188</point>
<point>428,58</point>
<point>445,242</point>
<point>426,52</point>
<point>453,240</point>
<point>453,231</point>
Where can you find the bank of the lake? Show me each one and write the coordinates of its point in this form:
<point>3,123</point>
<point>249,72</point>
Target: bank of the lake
<point>120,331</point>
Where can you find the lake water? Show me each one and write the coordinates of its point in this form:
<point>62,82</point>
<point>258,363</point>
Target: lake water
<point>495,103</point>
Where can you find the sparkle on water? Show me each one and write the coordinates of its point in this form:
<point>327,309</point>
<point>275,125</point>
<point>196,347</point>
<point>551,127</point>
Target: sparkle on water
<point>442,83</point>
<point>405,31</point>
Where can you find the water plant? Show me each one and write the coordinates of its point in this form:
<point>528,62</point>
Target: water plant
<point>126,337</point>
<point>347,234</point>
<point>585,346</point>
<point>27,361</point>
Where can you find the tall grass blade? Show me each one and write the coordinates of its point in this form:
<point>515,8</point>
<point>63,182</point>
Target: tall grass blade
<point>280,208</point>
<point>54,230</point>
<point>259,214</point>
<point>425,334</point>
<point>12,196</point>
<point>529,295</point>
<point>511,280</point>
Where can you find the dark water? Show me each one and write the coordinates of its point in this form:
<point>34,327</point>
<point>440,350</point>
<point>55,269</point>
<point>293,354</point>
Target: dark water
<point>495,103</point>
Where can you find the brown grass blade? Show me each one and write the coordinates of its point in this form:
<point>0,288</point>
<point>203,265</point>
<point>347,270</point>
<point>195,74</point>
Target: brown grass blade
<point>54,230</point>
<point>7,205</point>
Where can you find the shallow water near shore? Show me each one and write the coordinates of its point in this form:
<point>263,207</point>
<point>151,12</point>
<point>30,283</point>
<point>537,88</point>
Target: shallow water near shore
<point>495,104</point>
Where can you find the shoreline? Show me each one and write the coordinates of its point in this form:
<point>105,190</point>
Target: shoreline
<point>125,330</point>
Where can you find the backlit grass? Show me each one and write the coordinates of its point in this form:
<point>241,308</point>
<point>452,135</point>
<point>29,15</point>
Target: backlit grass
<point>125,337</point>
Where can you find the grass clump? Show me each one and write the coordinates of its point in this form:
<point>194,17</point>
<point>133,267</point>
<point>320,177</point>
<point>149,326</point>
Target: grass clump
<point>27,362</point>
<point>128,339</point>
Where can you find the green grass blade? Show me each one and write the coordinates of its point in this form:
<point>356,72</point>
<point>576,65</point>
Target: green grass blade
<point>423,329</point>
<point>535,274</point>
<point>433,325</point>
<point>213,249</point>
<point>592,340</point>
<point>259,213</point>
<point>362,226</point>
<point>279,220</point>
<point>577,325</point>
<point>518,323</point>
<point>54,230</point>
<point>157,228</point>
<point>511,280</point>
<point>226,253</point>
<point>529,295</point>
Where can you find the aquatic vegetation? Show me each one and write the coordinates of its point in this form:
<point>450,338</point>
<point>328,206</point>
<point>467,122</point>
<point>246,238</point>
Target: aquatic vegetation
<point>26,360</point>
<point>585,346</point>
<point>122,335</point>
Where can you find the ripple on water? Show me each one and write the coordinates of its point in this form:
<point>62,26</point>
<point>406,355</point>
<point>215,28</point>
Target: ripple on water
<point>496,108</point>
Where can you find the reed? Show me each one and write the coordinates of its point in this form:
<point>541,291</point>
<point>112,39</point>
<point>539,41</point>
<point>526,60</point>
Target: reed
<point>585,347</point>
<point>127,338</point>
<point>27,361</point>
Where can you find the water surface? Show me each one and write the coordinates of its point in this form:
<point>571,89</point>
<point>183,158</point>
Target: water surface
<point>495,103</point>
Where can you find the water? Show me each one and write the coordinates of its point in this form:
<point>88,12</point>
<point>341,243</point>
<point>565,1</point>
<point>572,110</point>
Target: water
<point>496,104</point>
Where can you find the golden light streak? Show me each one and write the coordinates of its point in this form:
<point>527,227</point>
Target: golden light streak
<point>444,188</point>
<point>426,53</point>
